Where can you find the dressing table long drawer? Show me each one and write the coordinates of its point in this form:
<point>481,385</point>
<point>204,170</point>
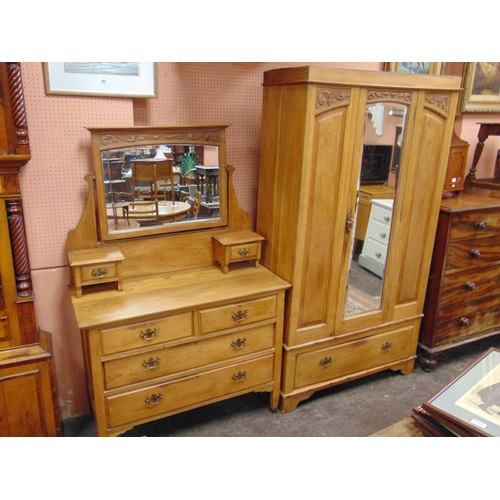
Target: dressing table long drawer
<point>142,404</point>
<point>161,362</point>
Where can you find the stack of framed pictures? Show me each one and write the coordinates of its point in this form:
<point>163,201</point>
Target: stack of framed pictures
<point>467,407</point>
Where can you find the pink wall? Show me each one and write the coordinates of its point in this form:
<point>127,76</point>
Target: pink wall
<point>53,181</point>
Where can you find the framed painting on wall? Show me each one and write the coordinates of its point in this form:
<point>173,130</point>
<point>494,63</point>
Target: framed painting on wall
<point>481,84</point>
<point>105,79</point>
<point>415,68</point>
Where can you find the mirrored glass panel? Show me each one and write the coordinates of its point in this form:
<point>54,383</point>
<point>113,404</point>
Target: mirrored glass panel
<point>382,145</point>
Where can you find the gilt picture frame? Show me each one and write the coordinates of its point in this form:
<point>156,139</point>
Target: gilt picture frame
<point>481,83</point>
<point>415,68</point>
<point>472,400</point>
<point>102,79</point>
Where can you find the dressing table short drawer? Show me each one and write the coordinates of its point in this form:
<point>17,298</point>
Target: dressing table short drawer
<point>146,333</point>
<point>188,392</point>
<point>100,272</point>
<point>237,314</point>
<point>167,361</point>
<point>328,364</point>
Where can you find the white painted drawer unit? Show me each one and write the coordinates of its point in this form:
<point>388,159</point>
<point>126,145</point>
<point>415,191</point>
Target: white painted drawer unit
<point>374,254</point>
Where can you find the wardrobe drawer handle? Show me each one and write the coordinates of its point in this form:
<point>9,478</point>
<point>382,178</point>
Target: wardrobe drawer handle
<point>326,362</point>
<point>475,253</point>
<point>151,363</point>
<point>148,334</point>
<point>238,344</point>
<point>480,224</point>
<point>470,286</point>
<point>387,346</point>
<point>240,315</point>
<point>239,377</point>
<point>464,321</point>
<point>154,399</point>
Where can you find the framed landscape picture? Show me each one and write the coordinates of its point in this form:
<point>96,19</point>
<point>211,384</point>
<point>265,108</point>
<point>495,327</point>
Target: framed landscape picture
<point>415,68</point>
<point>472,401</point>
<point>107,79</point>
<point>481,84</point>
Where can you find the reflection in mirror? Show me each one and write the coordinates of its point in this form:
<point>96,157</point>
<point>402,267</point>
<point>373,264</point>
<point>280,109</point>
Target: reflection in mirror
<point>159,180</point>
<point>159,184</point>
<point>383,139</point>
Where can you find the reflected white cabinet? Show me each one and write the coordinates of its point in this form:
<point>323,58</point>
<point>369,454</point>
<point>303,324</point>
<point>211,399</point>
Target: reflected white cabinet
<point>311,154</point>
<point>374,254</point>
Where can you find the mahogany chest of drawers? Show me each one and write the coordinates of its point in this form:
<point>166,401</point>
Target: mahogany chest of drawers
<point>463,295</point>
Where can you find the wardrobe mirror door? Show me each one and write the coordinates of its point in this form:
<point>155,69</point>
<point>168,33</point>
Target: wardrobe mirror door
<point>372,221</point>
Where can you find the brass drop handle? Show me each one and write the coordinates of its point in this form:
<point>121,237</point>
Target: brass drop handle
<point>99,272</point>
<point>240,315</point>
<point>154,399</point>
<point>475,253</point>
<point>387,346</point>
<point>239,377</point>
<point>148,334</point>
<point>464,321</point>
<point>480,224</point>
<point>244,251</point>
<point>238,344</point>
<point>325,362</point>
<point>469,286</point>
<point>151,363</point>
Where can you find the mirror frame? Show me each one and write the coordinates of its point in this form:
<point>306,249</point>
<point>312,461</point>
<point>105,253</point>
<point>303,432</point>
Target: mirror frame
<point>105,139</point>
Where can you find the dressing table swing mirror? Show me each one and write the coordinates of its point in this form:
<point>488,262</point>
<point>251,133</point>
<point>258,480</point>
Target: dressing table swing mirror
<point>165,326</point>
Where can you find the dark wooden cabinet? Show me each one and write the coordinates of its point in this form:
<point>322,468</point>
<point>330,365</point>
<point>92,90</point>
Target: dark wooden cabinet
<point>463,295</point>
<point>28,403</point>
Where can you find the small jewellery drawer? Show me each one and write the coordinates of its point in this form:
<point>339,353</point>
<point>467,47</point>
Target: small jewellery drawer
<point>237,314</point>
<point>328,364</point>
<point>376,251</point>
<point>191,391</point>
<point>166,361</point>
<point>98,272</point>
<point>146,333</point>
<point>379,231</point>
<point>460,286</point>
<point>473,224</point>
<point>381,214</point>
<point>475,252</point>
<point>463,320</point>
<point>244,252</point>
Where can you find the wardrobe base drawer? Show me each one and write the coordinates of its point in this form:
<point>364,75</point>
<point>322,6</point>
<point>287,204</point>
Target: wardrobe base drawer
<point>196,390</point>
<point>328,364</point>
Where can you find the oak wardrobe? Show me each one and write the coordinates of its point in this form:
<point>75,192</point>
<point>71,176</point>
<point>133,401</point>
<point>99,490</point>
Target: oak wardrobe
<point>326,134</point>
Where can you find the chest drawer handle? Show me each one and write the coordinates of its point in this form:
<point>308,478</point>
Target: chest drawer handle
<point>470,286</point>
<point>99,272</point>
<point>464,321</point>
<point>240,376</point>
<point>378,255</point>
<point>386,218</point>
<point>148,334</point>
<point>151,363</point>
<point>475,253</point>
<point>387,346</point>
<point>240,315</point>
<point>154,399</point>
<point>480,224</point>
<point>238,344</point>
<point>383,235</point>
<point>326,362</point>
<point>244,251</point>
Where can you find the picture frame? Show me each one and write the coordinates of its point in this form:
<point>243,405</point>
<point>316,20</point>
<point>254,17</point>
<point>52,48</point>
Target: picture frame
<point>470,404</point>
<point>101,79</point>
<point>481,84</point>
<point>416,68</point>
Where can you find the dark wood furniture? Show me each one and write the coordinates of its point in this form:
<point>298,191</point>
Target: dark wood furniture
<point>463,295</point>
<point>28,401</point>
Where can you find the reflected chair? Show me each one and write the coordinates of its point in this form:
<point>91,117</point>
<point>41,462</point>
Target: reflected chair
<point>116,200</point>
<point>145,212</point>
<point>153,171</point>
<point>195,207</point>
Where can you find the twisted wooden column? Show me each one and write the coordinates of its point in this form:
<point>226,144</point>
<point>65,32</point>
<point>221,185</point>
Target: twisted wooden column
<point>18,109</point>
<point>19,248</point>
